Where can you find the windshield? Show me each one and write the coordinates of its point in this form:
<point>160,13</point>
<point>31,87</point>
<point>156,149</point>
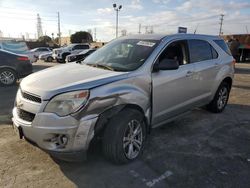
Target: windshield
<point>122,55</point>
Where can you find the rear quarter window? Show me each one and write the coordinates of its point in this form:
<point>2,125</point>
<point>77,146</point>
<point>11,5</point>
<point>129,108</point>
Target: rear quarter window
<point>200,50</point>
<point>223,46</point>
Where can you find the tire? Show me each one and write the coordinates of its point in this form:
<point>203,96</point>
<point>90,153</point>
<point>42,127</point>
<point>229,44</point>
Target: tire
<point>219,102</point>
<point>118,143</point>
<point>64,57</point>
<point>8,77</point>
<point>49,59</point>
<point>59,61</point>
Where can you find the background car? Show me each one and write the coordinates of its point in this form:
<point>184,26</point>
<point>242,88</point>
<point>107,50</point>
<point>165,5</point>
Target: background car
<point>12,67</point>
<point>60,54</point>
<point>18,47</point>
<point>38,51</point>
<point>47,57</point>
<point>81,56</point>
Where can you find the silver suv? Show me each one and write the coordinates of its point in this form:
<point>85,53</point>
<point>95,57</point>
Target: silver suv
<point>120,92</point>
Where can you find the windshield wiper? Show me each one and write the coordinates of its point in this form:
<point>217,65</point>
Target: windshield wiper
<point>101,66</point>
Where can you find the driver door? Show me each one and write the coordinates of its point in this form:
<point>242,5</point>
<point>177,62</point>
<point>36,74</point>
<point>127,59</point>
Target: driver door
<point>174,91</point>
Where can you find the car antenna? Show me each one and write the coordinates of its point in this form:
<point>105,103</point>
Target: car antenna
<point>196,28</point>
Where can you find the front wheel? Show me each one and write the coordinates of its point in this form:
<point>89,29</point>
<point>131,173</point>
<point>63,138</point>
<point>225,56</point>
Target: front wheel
<point>124,137</point>
<point>220,100</point>
<point>7,77</point>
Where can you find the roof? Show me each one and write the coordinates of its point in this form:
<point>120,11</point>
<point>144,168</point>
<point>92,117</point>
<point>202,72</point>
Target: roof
<point>162,36</point>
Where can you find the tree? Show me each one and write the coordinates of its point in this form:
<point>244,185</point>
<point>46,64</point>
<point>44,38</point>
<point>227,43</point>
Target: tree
<point>81,37</point>
<point>45,39</point>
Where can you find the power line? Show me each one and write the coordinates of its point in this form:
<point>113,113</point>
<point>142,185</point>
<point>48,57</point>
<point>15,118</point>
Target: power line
<point>26,11</point>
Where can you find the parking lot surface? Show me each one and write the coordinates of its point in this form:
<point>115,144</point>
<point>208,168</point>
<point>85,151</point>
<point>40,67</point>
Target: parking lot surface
<point>201,149</point>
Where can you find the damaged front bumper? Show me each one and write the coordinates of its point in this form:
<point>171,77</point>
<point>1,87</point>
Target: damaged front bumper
<point>62,137</point>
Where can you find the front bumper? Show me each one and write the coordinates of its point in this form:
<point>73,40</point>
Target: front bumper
<point>47,130</point>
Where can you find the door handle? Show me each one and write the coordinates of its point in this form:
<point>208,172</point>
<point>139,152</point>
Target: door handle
<point>189,73</point>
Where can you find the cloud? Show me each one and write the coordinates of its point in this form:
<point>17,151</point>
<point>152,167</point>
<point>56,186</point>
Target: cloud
<point>135,4</point>
<point>187,6</point>
<point>161,1</point>
<point>104,10</point>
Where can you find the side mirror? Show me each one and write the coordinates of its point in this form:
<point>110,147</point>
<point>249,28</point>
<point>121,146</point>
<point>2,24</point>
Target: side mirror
<point>166,64</point>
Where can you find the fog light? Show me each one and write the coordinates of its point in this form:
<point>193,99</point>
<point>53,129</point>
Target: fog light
<point>62,140</point>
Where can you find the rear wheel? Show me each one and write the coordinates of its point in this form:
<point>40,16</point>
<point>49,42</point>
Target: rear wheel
<point>49,59</point>
<point>220,100</point>
<point>7,77</point>
<point>124,137</point>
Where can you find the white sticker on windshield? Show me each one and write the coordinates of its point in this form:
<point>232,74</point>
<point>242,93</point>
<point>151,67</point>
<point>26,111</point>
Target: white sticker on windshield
<point>146,43</point>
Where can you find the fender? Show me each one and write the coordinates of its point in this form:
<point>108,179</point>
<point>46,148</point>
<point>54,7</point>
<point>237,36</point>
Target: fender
<point>223,73</point>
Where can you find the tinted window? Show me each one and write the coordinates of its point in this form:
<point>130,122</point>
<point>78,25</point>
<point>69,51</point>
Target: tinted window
<point>44,49</point>
<point>199,50</point>
<point>81,47</point>
<point>214,53</point>
<point>175,51</point>
<point>223,46</point>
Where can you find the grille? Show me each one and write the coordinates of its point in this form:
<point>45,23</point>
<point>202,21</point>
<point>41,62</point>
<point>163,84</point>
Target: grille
<point>31,97</point>
<point>24,115</point>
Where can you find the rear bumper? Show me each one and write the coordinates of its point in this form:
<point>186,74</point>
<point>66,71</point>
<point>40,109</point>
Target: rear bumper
<point>24,70</point>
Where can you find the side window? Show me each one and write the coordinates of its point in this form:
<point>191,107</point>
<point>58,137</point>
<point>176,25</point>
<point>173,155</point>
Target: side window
<point>177,51</point>
<point>199,50</point>
<point>43,50</point>
<point>223,46</point>
<point>80,47</point>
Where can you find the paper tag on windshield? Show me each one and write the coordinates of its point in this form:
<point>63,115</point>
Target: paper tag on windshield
<point>145,43</point>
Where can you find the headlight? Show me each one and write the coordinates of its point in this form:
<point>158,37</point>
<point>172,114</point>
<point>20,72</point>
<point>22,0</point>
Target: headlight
<point>67,103</point>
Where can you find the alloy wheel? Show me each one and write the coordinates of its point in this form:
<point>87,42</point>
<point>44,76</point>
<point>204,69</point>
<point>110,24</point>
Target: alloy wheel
<point>7,77</point>
<point>132,140</point>
<point>222,98</point>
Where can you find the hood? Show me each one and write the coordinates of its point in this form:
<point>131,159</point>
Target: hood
<point>68,77</point>
<point>62,48</point>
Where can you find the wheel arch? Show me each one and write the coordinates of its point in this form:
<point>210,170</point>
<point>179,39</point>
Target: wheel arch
<point>109,113</point>
<point>11,68</point>
<point>228,80</point>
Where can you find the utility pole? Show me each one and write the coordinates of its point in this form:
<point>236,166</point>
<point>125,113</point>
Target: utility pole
<point>39,26</point>
<point>139,29</point>
<point>59,28</point>
<point>117,9</point>
<point>221,23</point>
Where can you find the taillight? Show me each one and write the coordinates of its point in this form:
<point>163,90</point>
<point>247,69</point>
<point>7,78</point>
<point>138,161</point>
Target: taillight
<point>234,62</point>
<point>23,58</point>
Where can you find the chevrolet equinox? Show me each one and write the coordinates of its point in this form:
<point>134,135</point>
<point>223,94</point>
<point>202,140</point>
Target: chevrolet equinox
<point>120,92</point>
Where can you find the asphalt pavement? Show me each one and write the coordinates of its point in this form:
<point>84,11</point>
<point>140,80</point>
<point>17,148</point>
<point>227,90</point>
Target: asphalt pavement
<point>201,149</point>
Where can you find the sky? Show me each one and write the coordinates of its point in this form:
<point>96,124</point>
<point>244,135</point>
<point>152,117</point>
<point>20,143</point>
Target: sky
<point>19,18</point>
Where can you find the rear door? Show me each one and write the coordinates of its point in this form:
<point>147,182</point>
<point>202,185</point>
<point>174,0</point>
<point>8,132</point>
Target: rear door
<point>206,63</point>
<point>174,91</point>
